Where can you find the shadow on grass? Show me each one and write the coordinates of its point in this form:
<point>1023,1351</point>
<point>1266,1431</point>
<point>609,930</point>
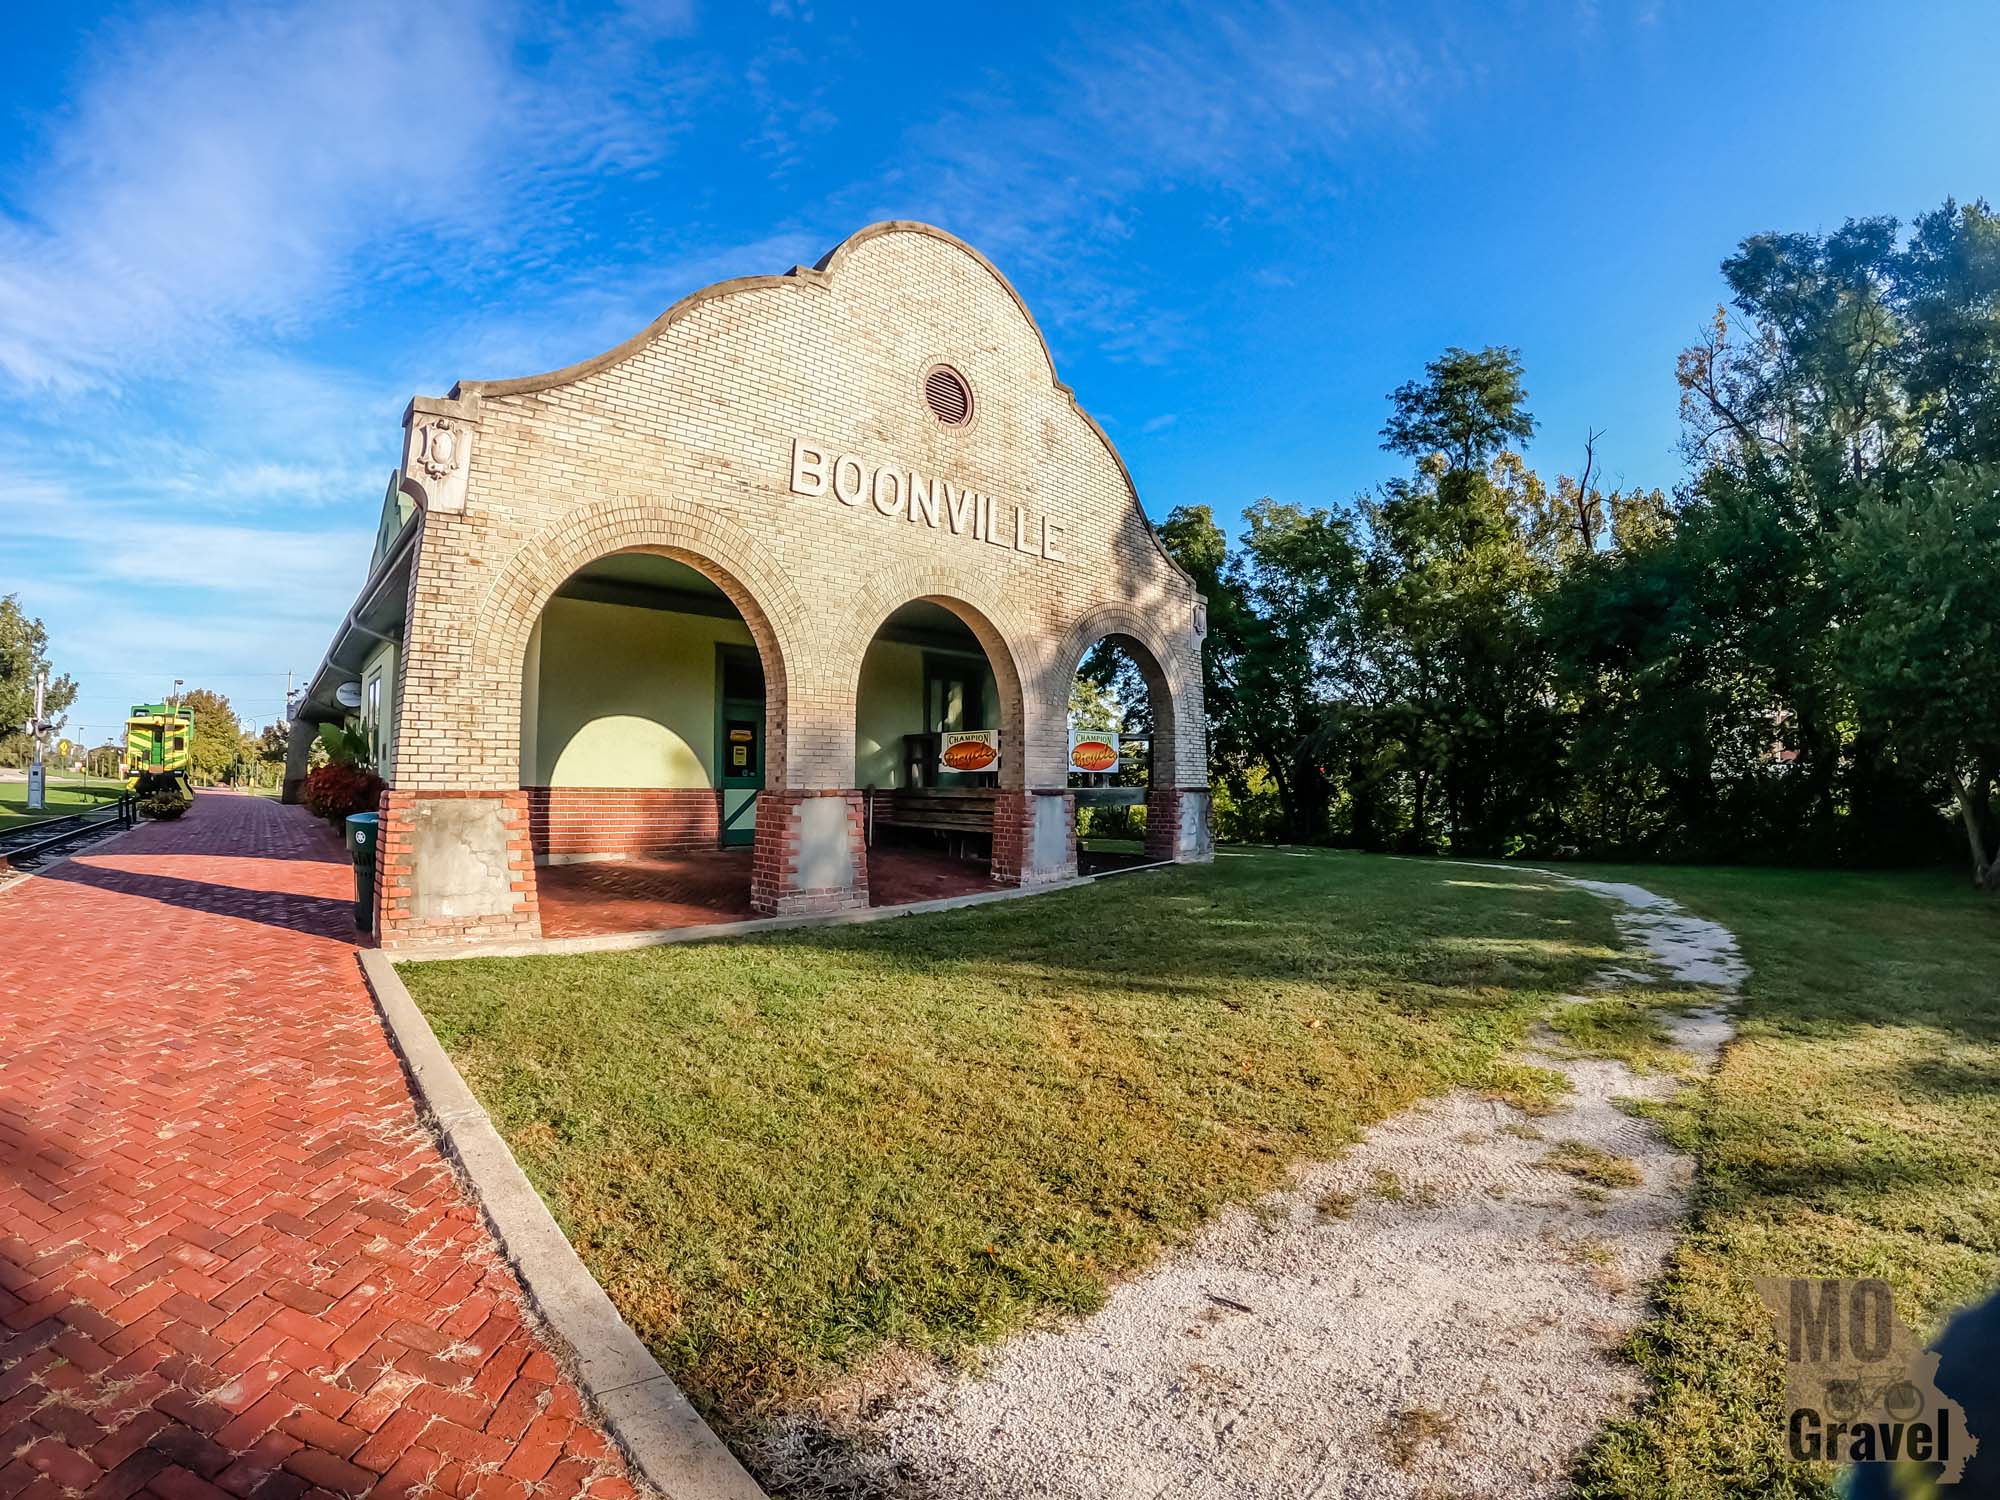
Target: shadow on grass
<point>1199,939</point>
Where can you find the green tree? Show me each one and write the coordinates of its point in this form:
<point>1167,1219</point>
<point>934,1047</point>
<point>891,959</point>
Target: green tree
<point>1092,705</point>
<point>1858,362</point>
<point>1466,407</point>
<point>1274,615</point>
<point>218,738</point>
<point>1923,636</point>
<point>1448,607</point>
<point>24,651</point>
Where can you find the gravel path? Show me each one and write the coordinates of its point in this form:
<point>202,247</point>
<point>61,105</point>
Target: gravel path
<point>1435,1313</point>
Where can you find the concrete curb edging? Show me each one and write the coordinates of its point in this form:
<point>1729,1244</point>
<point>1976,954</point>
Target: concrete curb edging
<point>663,1437</point>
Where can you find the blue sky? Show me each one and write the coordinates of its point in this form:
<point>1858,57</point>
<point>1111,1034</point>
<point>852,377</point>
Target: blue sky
<point>234,239</point>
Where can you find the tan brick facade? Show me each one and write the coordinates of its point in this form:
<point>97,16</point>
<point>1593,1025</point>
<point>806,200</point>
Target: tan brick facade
<point>691,439</point>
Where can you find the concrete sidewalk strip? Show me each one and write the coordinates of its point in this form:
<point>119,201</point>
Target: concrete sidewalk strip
<point>618,942</point>
<point>663,1437</point>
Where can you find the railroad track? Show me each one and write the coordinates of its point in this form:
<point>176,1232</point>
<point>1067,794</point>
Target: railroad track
<point>24,848</point>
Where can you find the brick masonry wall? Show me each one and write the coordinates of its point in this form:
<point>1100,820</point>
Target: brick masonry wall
<point>1163,822</point>
<point>1171,814</point>
<point>681,442</point>
<point>623,820</point>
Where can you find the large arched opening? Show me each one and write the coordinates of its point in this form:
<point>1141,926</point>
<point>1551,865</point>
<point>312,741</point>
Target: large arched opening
<point>1123,760</point>
<point>652,720</point>
<point>1120,738</point>
<point>938,750</point>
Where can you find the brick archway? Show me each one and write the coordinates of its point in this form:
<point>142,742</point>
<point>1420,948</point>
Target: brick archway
<point>1177,804</point>
<point>1137,636</point>
<point>990,626</point>
<point>456,857</point>
<point>711,545</point>
<point>1033,824</point>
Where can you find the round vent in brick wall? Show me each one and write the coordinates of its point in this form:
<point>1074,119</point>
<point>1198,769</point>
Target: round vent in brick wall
<point>948,396</point>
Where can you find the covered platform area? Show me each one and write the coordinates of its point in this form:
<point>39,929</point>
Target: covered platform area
<point>659,892</point>
<point>654,893</point>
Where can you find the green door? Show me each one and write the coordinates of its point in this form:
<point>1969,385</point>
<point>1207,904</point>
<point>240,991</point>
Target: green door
<point>739,755</point>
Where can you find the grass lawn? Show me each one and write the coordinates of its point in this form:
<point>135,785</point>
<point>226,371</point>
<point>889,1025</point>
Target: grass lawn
<point>1852,1130</point>
<point>780,1152</point>
<point>64,796</point>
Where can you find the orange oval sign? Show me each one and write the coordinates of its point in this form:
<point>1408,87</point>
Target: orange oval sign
<point>969,755</point>
<point>1093,755</point>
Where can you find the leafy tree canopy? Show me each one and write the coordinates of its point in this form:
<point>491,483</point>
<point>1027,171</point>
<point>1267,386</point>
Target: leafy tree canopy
<point>1466,407</point>
<point>24,651</point>
<point>218,738</point>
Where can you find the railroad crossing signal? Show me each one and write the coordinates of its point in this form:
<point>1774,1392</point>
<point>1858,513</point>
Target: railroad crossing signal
<point>37,727</point>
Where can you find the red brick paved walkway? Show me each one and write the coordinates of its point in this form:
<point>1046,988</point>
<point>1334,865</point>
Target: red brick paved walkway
<point>231,1262</point>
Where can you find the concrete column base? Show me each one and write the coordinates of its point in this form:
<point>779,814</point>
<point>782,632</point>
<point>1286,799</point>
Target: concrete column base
<point>454,866</point>
<point>1177,825</point>
<point>811,853</point>
<point>1034,836</point>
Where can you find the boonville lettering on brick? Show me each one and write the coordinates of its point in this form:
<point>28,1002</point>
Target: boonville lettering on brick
<point>904,494</point>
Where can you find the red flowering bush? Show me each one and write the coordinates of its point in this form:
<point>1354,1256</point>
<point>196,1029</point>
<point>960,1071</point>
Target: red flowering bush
<point>332,792</point>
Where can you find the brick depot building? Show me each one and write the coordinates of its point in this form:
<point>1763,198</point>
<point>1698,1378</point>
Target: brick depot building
<point>716,597</point>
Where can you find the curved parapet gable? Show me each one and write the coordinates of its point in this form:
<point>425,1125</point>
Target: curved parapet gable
<point>803,277</point>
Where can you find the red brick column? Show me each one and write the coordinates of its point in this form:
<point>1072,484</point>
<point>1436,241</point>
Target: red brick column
<point>1169,831</point>
<point>1163,822</point>
<point>413,905</point>
<point>804,860</point>
<point>1017,815</point>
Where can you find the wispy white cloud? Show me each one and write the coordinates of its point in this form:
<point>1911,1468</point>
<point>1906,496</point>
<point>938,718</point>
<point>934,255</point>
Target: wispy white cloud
<point>156,594</point>
<point>290,573</point>
<point>1160,423</point>
<point>219,172</point>
<point>1243,97</point>
<point>1251,105</point>
<point>223,186</point>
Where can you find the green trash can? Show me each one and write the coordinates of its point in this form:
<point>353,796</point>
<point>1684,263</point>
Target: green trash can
<point>361,844</point>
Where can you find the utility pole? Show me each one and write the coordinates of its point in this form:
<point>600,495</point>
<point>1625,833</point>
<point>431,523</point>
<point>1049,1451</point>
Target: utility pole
<point>37,785</point>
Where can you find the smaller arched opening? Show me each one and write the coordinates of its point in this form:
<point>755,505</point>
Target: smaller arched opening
<point>938,747</point>
<point>1120,744</point>
<point>652,713</point>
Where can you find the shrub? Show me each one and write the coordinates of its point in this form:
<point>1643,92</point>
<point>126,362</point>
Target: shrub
<point>166,804</point>
<point>161,784</point>
<point>334,791</point>
<point>348,744</point>
<point>1117,822</point>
